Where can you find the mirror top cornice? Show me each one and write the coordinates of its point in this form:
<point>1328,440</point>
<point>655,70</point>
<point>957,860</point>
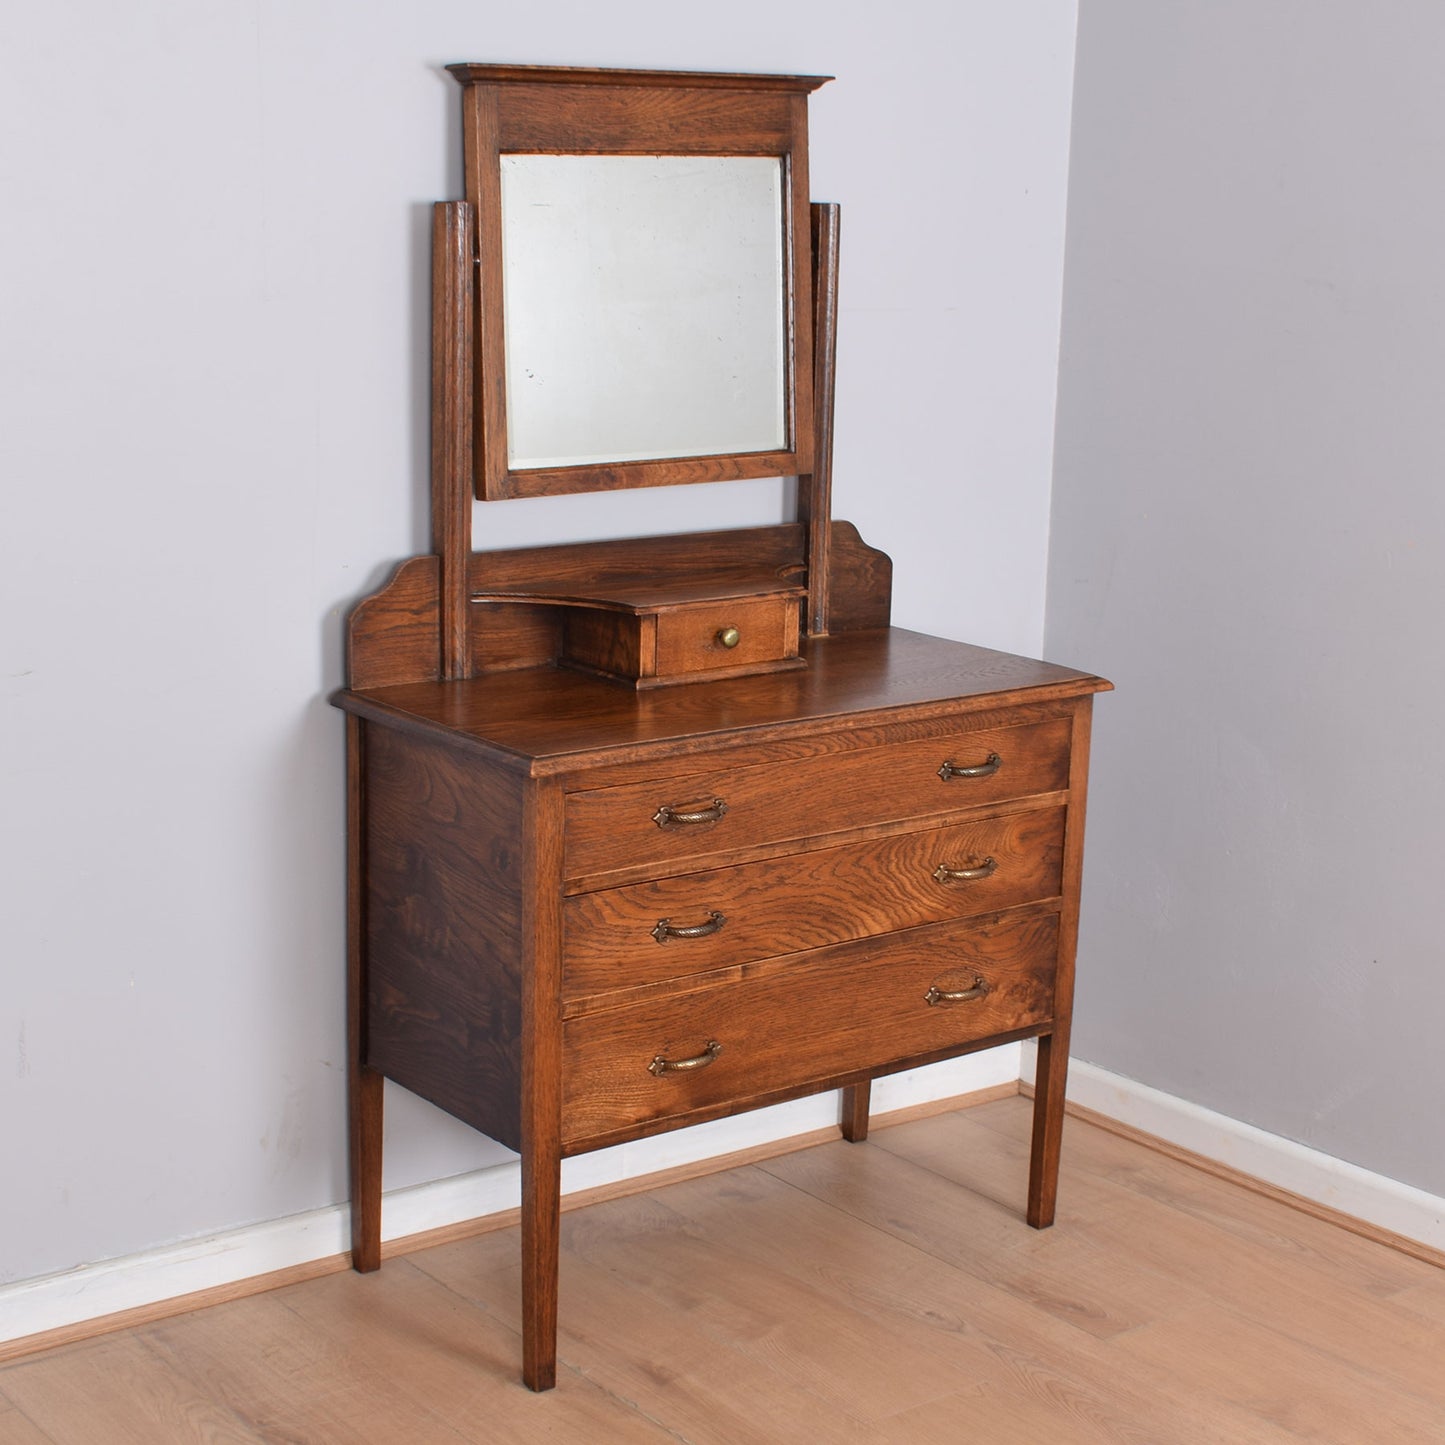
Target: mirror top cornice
<point>485,72</point>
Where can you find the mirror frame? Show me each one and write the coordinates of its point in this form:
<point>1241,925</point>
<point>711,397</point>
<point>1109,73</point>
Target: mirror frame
<point>572,111</point>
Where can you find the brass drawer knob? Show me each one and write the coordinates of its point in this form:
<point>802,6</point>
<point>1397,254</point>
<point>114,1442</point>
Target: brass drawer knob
<point>729,637</point>
<point>660,1066</point>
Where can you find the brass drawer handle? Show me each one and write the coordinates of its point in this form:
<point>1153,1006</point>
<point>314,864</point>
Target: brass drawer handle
<point>978,989</point>
<point>669,817</point>
<point>729,637</point>
<point>944,874</point>
<point>666,928</point>
<point>986,769</point>
<point>660,1066</point>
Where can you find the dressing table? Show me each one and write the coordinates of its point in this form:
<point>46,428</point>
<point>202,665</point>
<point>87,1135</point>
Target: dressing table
<point>644,833</point>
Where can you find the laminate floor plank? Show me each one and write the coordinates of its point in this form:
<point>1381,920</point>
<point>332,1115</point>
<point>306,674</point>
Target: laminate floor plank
<point>17,1429</point>
<point>1012,1348</point>
<point>1276,1287</point>
<point>1062,1271</point>
<point>453,1360</point>
<point>1319,1396</point>
<point>780,1313</point>
<point>1426,1298</point>
<point>664,1360</point>
<point>288,1381</point>
<point>1354,1261</point>
<point>1019,1417</point>
<point>886,1292</point>
<point>116,1391</point>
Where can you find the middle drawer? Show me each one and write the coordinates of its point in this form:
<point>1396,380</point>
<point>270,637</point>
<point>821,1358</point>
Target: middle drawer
<point>673,927</point>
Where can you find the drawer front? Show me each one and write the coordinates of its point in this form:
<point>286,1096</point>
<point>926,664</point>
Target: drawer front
<point>694,639</point>
<point>861,1006</point>
<point>688,924</point>
<point>679,819</point>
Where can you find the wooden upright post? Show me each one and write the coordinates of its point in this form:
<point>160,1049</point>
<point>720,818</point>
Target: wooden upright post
<point>453,318</point>
<point>815,492</point>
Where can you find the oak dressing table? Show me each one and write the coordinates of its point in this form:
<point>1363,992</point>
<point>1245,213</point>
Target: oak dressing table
<point>651,832</point>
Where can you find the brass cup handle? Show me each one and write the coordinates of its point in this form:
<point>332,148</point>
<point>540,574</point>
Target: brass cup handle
<point>729,637</point>
<point>986,769</point>
<point>660,1066</point>
<point>668,816</point>
<point>666,928</point>
<point>977,989</point>
<point>944,874</point>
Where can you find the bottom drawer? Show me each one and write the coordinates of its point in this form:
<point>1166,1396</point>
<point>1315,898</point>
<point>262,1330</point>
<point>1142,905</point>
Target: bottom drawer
<point>858,1006</point>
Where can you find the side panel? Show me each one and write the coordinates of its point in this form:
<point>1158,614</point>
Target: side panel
<point>444,930</point>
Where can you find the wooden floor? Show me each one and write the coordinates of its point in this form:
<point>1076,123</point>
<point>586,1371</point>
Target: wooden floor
<point>888,1291</point>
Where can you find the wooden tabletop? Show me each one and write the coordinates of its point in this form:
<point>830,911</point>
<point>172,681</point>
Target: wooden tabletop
<point>546,720</point>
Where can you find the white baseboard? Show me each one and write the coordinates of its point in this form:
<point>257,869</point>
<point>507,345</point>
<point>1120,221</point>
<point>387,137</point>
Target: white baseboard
<point>1384,1203</point>
<point>92,1291</point>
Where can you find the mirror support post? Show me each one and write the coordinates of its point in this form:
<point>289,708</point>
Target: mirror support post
<point>453,311</point>
<point>815,491</point>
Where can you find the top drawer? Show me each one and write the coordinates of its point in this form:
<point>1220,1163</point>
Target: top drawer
<point>682,819</point>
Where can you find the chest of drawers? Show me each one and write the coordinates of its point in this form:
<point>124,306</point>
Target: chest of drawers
<point>583,914</point>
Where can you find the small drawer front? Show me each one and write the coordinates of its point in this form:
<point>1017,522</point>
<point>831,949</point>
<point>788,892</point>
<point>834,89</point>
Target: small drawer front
<point>672,927</point>
<point>862,1006</point>
<point>726,635</point>
<point>679,820</point>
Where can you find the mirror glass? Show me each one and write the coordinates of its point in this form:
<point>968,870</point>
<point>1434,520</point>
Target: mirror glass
<point>643,306</point>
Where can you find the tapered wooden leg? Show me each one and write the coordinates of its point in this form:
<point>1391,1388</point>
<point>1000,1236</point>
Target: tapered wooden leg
<point>855,1111</point>
<point>1049,1081</point>
<point>366,1094</point>
<point>363,1085</point>
<point>541,1216</point>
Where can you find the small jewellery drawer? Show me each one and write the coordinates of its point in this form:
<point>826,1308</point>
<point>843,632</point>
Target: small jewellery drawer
<point>726,635</point>
<point>869,1005</point>
<point>660,643</point>
<point>693,922</point>
<point>695,815</point>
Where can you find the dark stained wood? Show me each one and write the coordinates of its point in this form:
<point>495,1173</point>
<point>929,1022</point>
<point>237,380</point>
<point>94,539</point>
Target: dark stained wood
<point>860,582</point>
<point>625,476</point>
<point>807,900</point>
<point>610,828</point>
<point>445,958</point>
<point>475,72</point>
<point>481,147</point>
<point>556,721</point>
<point>561,884</point>
<point>364,1085</point>
<point>517,109</point>
<point>855,1007</point>
<point>815,488</point>
<point>854,1121</point>
<point>541,947</point>
<point>453,307</point>
<point>393,636</point>
<point>687,638</point>
<point>750,556</point>
<point>1053,1057</point>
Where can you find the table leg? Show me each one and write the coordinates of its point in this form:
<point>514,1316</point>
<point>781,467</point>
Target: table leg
<point>541,1218</point>
<point>855,1111</point>
<point>1049,1081</point>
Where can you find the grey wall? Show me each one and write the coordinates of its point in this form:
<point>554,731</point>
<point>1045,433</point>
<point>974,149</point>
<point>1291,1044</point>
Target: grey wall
<point>1248,526</point>
<point>214,228</point>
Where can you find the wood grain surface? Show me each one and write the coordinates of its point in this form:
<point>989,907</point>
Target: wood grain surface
<point>807,900</point>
